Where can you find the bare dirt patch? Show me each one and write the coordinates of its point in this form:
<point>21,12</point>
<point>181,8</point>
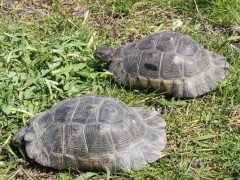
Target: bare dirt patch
<point>40,8</point>
<point>234,120</point>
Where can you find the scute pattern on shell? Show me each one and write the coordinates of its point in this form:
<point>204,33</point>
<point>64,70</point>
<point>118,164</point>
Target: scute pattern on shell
<point>169,61</point>
<point>91,132</point>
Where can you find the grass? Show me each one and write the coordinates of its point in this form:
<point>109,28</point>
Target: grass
<point>49,57</point>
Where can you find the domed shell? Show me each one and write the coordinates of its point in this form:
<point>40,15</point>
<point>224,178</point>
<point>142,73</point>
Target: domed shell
<point>169,61</point>
<point>93,132</point>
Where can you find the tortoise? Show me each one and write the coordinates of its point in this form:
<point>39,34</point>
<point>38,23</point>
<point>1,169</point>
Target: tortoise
<point>92,132</point>
<point>166,61</point>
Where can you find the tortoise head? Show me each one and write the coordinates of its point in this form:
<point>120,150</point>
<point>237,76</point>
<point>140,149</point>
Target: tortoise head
<point>104,53</point>
<point>18,139</point>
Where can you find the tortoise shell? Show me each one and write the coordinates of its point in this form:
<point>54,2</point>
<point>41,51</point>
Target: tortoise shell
<point>93,132</point>
<point>167,61</point>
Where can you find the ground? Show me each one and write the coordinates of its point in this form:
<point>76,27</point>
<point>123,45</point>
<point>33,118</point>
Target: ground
<point>46,55</point>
